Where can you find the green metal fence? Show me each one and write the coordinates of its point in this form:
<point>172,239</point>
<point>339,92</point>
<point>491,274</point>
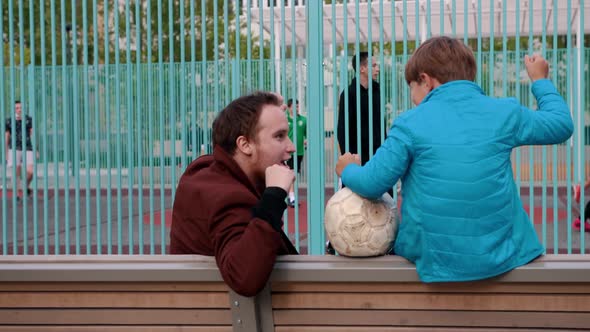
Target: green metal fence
<point>92,144</point>
<point>123,94</point>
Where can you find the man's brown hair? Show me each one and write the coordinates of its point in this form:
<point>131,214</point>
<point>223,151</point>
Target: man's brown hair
<point>443,58</point>
<point>240,118</point>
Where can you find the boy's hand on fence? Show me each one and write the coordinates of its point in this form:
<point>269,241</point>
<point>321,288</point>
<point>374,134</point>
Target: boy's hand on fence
<point>345,160</point>
<point>536,67</point>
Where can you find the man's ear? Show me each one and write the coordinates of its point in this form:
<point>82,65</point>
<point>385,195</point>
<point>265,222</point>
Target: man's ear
<point>243,144</point>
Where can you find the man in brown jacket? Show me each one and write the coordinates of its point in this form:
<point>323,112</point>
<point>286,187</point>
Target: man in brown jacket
<point>230,204</point>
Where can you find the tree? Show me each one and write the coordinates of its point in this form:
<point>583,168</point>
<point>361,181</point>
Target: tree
<point>181,30</point>
<point>165,25</point>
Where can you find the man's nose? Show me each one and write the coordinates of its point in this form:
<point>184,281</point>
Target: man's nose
<point>291,146</point>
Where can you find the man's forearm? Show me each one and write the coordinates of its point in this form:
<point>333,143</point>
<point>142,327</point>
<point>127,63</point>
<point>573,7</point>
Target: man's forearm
<point>244,272</point>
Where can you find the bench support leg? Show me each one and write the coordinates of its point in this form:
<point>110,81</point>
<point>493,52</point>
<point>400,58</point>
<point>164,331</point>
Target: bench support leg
<point>252,314</point>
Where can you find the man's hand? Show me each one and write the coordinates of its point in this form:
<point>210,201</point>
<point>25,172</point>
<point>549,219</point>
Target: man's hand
<point>279,176</point>
<point>345,160</point>
<point>536,67</point>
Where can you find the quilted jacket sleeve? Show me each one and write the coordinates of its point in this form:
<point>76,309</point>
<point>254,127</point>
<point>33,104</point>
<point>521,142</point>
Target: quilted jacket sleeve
<point>551,123</point>
<point>385,168</point>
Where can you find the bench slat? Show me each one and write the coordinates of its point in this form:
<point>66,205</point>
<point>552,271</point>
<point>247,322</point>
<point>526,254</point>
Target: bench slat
<point>467,287</point>
<point>115,328</point>
<point>449,301</point>
<point>137,299</point>
<point>402,329</point>
<point>59,316</point>
<point>100,287</point>
<point>439,318</point>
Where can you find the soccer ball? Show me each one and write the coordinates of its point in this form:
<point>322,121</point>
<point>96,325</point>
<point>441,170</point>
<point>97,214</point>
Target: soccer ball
<point>359,227</point>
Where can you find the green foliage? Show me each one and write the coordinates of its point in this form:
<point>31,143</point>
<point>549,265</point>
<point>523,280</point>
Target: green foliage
<point>165,35</point>
<point>46,31</point>
<point>176,30</point>
<point>17,55</point>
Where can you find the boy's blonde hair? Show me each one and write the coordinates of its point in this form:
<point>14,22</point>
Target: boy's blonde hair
<point>443,58</point>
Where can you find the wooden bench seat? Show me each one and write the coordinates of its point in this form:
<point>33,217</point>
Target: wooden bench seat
<point>305,293</point>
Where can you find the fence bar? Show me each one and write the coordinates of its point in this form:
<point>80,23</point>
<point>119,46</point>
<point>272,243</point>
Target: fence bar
<point>582,126</point>
<point>544,149</point>
<point>140,108</point>
<point>87,138</point>
<point>570,141</point>
<point>161,118</point>
<point>316,125</point>
<point>294,80</point>
<point>45,131</point>
<point>555,189</point>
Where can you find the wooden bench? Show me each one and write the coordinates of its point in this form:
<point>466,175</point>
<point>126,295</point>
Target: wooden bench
<point>305,293</point>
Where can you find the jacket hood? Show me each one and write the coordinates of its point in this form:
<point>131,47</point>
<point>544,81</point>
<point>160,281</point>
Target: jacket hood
<point>199,164</point>
<point>220,158</point>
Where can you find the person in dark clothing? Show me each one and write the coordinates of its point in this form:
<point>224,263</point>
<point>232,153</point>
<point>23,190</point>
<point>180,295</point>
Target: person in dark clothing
<point>230,204</point>
<point>366,135</point>
<point>19,151</point>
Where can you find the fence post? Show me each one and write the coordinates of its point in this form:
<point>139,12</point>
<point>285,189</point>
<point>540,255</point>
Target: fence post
<point>315,107</point>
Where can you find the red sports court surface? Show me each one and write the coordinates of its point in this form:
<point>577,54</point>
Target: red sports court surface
<point>562,212</point>
<point>302,214</point>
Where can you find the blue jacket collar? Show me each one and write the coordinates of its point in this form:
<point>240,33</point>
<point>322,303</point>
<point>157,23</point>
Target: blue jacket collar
<point>452,88</point>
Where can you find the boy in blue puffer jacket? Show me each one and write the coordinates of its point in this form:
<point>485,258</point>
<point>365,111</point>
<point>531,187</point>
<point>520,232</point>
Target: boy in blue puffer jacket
<point>462,217</point>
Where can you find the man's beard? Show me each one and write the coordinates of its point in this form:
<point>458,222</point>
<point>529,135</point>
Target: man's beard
<point>260,181</point>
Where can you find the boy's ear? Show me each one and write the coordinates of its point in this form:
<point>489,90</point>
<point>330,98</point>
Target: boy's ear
<point>429,81</point>
<point>433,82</point>
<point>425,79</point>
<point>243,144</point>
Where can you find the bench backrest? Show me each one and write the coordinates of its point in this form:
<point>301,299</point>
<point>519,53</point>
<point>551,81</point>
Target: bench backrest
<point>305,293</point>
